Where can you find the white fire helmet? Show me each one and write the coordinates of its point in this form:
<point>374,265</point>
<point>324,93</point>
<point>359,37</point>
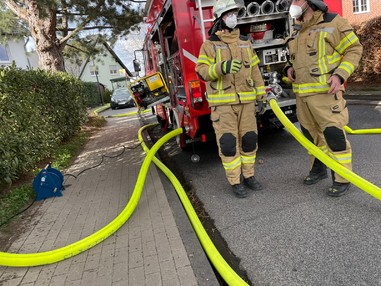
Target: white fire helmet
<point>222,6</point>
<point>319,4</point>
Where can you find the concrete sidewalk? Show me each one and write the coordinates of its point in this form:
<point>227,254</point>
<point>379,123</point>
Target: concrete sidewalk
<point>147,250</point>
<point>371,94</point>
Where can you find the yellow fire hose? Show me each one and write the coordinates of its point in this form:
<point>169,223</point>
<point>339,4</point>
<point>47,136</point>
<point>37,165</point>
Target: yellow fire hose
<point>102,108</point>
<point>362,131</point>
<point>222,267</point>
<point>52,256</point>
<point>130,113</point>
<point>227,273</point>
<point>48,257</point>
<point>106,106</point>
<point>328,161</point>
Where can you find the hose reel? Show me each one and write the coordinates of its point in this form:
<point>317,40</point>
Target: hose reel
<point>48,183</point>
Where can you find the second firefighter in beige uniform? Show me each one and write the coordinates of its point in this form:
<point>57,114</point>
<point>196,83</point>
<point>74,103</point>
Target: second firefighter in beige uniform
<point>229,65</point>
<point>323,54</point>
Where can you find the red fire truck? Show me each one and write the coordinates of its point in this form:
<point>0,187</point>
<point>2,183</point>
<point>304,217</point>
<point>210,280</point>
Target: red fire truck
<point>176,31</point>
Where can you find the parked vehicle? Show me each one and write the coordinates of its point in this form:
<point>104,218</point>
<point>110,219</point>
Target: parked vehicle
<point>121,97</point>
<point>176,31</point>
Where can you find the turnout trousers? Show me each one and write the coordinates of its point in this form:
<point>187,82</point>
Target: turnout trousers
<point>322,118</point>
<point>236,134</point>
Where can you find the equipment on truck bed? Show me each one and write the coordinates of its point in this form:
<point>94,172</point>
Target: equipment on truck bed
<point>149,90</point>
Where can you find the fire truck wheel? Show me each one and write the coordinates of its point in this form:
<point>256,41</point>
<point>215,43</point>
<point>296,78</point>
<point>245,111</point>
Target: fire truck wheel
<point>161,121</point>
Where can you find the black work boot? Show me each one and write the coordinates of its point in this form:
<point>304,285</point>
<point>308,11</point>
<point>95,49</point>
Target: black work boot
<point>252,184</point>
<point>317,173</point>
<point>313,178</point>
<point>338,189</point>
<point>240,191</point>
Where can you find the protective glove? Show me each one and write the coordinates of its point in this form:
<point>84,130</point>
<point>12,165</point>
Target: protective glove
<point>232,66</point>
<point>262,107</point>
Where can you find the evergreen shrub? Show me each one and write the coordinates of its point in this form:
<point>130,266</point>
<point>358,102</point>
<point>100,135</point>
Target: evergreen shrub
<point>38,110</point>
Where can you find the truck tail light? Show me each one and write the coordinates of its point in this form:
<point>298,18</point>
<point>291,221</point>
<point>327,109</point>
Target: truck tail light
<point>195,94</point>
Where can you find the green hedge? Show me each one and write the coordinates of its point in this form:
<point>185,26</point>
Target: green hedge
<point>38,110</point>
<point>92,94</point>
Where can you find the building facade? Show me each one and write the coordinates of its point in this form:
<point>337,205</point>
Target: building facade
<point>14,51</point>
<point>358,11</point>
<point>105,68</point>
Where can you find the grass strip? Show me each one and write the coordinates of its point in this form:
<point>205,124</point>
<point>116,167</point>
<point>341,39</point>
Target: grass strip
<point>18,197</point>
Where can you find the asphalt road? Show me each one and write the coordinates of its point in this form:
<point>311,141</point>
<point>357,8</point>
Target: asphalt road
<point>291,234</point>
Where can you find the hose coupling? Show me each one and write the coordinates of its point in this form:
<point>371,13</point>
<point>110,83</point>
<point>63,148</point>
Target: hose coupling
<point>186,129</point>
<point>270,94</point>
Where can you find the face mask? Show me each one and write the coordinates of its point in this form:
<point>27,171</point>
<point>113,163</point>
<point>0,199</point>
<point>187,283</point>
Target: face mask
<point>296,11</point>
<point>231,21</point>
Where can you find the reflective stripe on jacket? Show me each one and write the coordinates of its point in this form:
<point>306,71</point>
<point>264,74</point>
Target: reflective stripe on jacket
<point>245,86</point>
<point>325,45</point>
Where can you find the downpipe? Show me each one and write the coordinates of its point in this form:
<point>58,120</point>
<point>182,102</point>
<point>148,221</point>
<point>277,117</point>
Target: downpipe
<point>358,181</point>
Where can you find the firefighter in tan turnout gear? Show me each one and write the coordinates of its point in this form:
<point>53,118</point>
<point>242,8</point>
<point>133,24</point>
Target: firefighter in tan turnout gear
<point>229,65</point>
<point>323,54</point>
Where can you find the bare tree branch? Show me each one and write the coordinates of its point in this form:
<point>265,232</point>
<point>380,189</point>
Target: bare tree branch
<point>53,23</point>
<point>80,27</point>
<point>84,28</point>
<point>20,12</point>
<point>75,31</point>
<point>67,13</point>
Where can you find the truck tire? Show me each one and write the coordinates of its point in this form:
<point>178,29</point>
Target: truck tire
<point>161,121</point>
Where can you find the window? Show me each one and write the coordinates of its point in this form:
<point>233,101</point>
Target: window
<point>113,70</point>
<point>4,57</point>
<point>360,6</point>
<point>93,70</point>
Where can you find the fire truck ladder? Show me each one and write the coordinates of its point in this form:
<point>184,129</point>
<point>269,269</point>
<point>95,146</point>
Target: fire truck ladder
<point>200,18</point>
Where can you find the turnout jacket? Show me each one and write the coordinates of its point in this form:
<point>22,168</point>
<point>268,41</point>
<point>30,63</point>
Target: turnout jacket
<point>226,89</point>
<point>324,46</point>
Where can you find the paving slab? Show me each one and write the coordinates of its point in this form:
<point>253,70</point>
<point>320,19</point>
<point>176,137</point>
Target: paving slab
<point>147,250</point>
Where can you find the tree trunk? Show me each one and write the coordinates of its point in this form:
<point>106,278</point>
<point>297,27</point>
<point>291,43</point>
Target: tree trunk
<point>50,55</point>
<point>43,30</point>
